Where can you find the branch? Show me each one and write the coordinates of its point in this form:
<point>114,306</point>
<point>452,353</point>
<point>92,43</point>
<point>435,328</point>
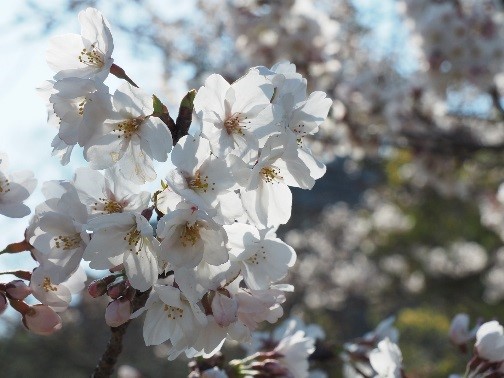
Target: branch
<point>106,364</point>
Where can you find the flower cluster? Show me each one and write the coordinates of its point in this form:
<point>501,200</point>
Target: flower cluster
<point>376,354</point>
<point>488,353</point>
<point>211,262</point>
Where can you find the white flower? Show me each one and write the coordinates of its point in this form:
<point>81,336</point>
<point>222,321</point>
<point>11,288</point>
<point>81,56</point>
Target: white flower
<point>255,306</point>
<point>266,197</point>
<point>14,189</point>
<point>264,258</point>
<point>231,112</point>
<point>170,316</point>
<point>295,350</point>
<point>124,238</point>
<point>88,55</point>
<point>131,138</point>
<point>56,296</point>
<point>203,179</point>
<point>109,193</point>
<point>81,106</point>
<point>58,231</point>
<point>459,330</point>
<point>490,341</point>
<point>294,114</point>
<point>384,330</point>
<point>386,359</point>
<point>224,309</point>
<point>189,235</point>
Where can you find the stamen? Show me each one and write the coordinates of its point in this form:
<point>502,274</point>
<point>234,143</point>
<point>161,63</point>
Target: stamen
<point>128,127</point>
<point>173,312</point>
<point>133,238</point>
<point>257,257</point>
<point>271,174</point>
<point>5,186</point>
<point>47,286</point>
<point>109,206</point>
<point>92,57</point>
<point>200,183</point>
<point>190,234</point>
<point>68,242</point>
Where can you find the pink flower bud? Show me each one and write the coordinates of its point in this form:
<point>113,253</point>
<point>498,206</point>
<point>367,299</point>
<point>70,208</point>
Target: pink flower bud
<point>117,290</point>
<point>42,320</point>
<point>17,289</point>
<point>272,368</point>
<point>224,309</point>
<point>99,287</point>
<point>3,303</point>
<point>118,312</point>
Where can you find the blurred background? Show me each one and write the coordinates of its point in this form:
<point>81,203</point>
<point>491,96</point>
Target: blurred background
<point>407,221</point>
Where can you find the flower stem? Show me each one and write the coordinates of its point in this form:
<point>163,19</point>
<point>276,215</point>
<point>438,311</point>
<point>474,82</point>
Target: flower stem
<point>106,364</point>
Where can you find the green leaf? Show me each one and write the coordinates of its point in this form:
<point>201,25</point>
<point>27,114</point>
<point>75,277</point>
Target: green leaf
<point>158,105</point>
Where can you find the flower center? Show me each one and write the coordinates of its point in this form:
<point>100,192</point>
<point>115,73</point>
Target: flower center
<point>199,182</point>
<point>257,257</point>
<point>4,185</point>
<point>67,242</point>
<point>232,124</point>
<point>91,57</point>
<point>47,286</point>
<point>271,174</point>
<point>190,234</point>
<point>81,105</point>
<point>133,238</point>
<point>173,312</point>
<point>128,127</point>
<point>111,206</point>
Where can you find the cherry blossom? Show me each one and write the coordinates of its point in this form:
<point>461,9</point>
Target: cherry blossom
<point>124,238</point>
<point>386,359</point>
<point>108,193</point>
<point>42,320</point>
<point>490,341</point>
<point>130,137</point>
<point>231,112</point>
<point>264,257</point>
<point>203,179</point>
<point>88,55</point>
<point>15,187</point>
<point>56,296</point>
<point>189,235</point>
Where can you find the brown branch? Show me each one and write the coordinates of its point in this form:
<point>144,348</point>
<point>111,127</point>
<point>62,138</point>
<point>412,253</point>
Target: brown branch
<point>106,364</point>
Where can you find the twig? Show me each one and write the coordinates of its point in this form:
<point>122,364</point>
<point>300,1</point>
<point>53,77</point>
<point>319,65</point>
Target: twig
<point>106,364</point>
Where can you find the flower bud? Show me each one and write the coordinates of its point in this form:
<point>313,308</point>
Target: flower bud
<point>490,342</point>
<point>117,290</point>
<point>42,320</point>
<point>271,368</point>
<point>459,330</point>
<point>99,287</point>
<point>224,309</point>
<point>17,289</point>
<point>3,303</point>
<point>118,312</point>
